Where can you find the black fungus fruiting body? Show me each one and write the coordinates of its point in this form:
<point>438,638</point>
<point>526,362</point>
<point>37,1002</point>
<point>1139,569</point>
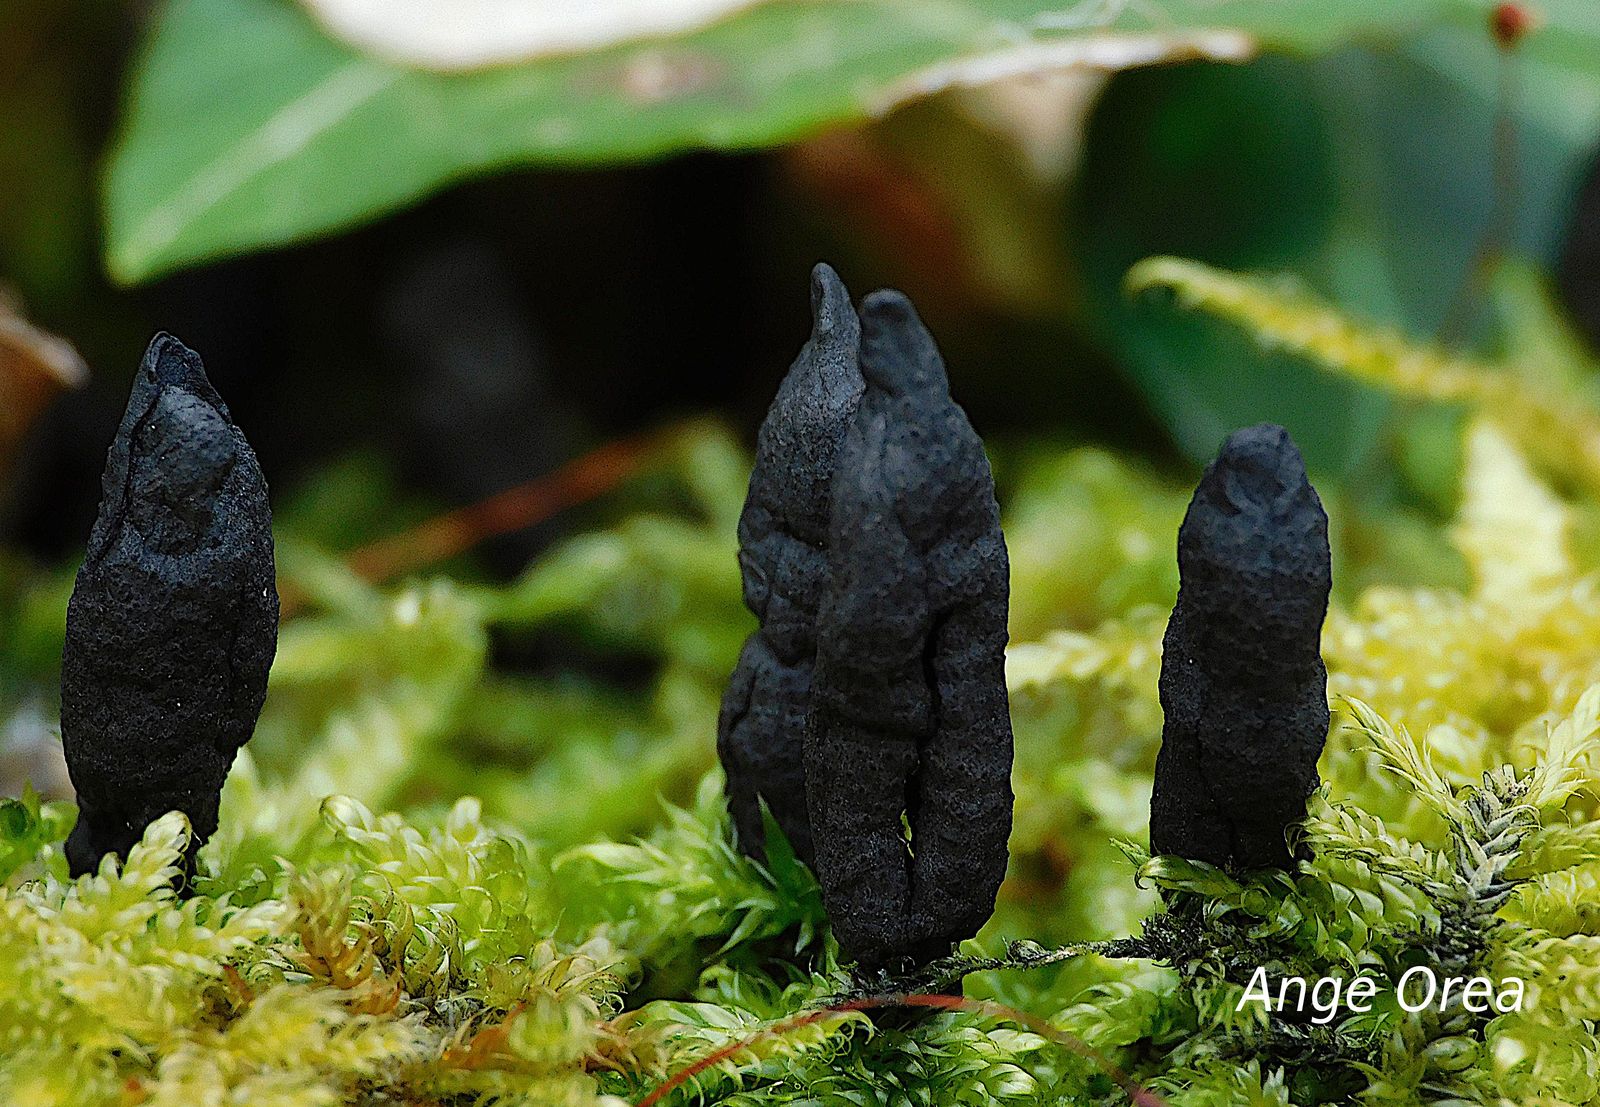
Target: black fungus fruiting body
<point>1243,685</point>
<point>910,725</point>
<point>783,560</point>
<point>173,622</point>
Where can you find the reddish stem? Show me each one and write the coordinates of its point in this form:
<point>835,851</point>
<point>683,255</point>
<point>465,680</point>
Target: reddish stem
<point>578,481</point>
<point>1509,24</point>
<point>1138,1096</point>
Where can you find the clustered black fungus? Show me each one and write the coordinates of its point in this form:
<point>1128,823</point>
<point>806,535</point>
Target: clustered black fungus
<point>910,713</point>
<point>872,544</point>
<point>783,560</point>
<point>1243,685</point>
<point>173,622</point>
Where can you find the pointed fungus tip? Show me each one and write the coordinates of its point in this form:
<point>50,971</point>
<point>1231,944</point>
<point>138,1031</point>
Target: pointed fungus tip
<point>1259,464</point>
<point>168,361</point>
<point>830,299</point>
<point>1264,443</point>
<point>898,355</point>
<point>890,308</point>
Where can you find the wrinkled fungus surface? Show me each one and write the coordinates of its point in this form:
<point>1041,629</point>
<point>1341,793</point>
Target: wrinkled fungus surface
<point>910,718</point>
<point>1243,685</point>
<point>872,698</point>
<point>783,562</point>
<point>173,621</point>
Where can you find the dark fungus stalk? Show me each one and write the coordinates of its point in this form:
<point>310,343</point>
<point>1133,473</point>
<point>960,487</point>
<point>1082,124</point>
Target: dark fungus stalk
<point>1243,686</point>
<point>173,621</point>
<point>783,560</point>
<point>910,722</point>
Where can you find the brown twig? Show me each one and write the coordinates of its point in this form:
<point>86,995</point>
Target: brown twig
<point>483,1050</point>
<point>444,536</point>
<point>35,367</point>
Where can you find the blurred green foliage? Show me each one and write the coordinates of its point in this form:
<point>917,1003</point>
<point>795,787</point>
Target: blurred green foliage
<point>312,136</point>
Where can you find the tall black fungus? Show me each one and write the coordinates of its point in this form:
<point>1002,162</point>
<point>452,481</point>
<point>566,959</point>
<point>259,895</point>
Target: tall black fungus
<point>910,723</point>
<point>174,619</point>
<point>1243,686</point>
<point>783,560</point>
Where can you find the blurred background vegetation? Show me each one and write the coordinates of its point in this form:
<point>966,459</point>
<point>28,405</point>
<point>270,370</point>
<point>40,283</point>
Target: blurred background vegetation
<point>579,276</point>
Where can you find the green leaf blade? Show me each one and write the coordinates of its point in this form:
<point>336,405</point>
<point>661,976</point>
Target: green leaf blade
<point>247,126</point>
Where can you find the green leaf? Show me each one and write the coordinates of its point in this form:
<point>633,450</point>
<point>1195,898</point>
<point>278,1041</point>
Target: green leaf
<point>1235,165</point>
<point>247,126</point>
<point>1370,173</point>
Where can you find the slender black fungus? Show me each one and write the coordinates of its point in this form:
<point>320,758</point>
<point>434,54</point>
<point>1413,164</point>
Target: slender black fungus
<point>1243,686</point>
<point>174,619</point>
<point>784,562</point>
<point>910,725</point>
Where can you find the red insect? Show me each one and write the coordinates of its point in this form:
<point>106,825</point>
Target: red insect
<point>1510,23</point>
